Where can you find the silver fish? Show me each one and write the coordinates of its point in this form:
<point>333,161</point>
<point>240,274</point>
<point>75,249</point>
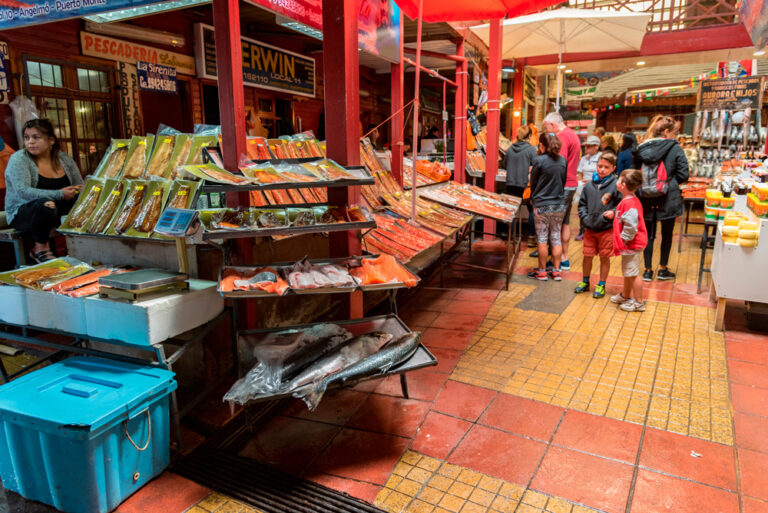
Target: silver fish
<point>344,356</point>
<point>390,355</point>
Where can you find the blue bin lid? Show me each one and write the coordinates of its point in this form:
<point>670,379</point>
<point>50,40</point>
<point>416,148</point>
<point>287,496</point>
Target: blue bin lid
<point>83,395</point>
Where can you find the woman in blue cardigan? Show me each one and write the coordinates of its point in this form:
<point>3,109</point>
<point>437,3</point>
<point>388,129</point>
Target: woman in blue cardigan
<point>42,183</point>
<point>628,147</point>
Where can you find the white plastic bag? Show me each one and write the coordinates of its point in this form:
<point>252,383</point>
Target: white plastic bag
<point>23,110</point>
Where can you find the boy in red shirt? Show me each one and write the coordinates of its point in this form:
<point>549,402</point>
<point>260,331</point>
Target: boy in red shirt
<point>629,240</point>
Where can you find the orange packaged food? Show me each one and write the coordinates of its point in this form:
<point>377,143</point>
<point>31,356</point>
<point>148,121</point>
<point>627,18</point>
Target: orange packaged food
<point>266,279</point>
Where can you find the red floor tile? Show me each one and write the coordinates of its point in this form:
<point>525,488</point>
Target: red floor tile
<point>746,350</point>
<point>748,399</point>
<point>428,293</point>
<point>675,454</point>
<point>169,493</point>
<point>446,359</point>
<point>754,473</point>
<point>288,443</point>
<point>751,432</point>
<point>477,295</point>
<point>423,385</point>
<point>657,493</point>
<point>446,339</point>
<point>462,400</point>
<point>361,490</point>
<point>745,335</point>
<point>439,434</point>
<point>499,454</point>
<point>457,321</point>
<point>658,295</point>
<point>583,478</point>
<point>337,407</point>
<point>414,318</point>
<point>602,436</point>
<point>693,300</point>
<point>523,416</point>
<point>360,455</point>
<point>468,307</point>
<point>754,506</point>
<point>431,305</point>
<point>747,373</point>
<point>391,415</point>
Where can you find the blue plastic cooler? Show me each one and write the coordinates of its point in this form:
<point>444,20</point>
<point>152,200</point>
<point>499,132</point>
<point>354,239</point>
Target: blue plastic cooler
<point>85,433</point>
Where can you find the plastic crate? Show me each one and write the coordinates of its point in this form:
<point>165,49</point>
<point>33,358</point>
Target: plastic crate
<point>84,434</point>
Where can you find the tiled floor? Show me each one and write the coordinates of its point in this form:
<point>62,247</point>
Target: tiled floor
<point>543,401</point>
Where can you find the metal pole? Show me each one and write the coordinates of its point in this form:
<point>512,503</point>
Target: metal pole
<point>560,62</point>
<point>414,193</point>
<point>445,128</point>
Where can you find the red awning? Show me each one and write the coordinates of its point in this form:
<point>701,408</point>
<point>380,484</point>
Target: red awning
<point>463,10</point>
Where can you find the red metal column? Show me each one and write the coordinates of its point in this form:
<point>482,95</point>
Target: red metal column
<point>460,118</point>
<point>493,116</point>
<point>229,67</point>
<point>398,95</point>
<point>342,107</point>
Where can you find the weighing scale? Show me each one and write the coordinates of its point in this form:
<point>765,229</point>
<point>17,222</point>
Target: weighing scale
<point>137,285</point>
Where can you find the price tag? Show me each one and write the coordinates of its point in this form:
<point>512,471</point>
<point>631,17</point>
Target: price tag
<point>96,188</point>
<point>157,192</point>
<point>174,222</point>
<point>142,143</point>
<point>139,187</point>
<point>181,193</point>
<point>121,145</point>
<point>115,193</point>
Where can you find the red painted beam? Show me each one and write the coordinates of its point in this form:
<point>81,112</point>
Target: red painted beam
<point>493,115</point>
<point>398,95</point>
<point>460,120</point>
<point>703,39</point>
<point>438,55</point>
<point>341,76</point>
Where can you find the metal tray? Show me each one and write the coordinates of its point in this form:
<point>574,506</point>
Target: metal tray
<point>142,279</point>
<point>458,207</point>
<point>390,323</point>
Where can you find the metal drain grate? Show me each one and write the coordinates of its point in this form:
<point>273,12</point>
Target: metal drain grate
<point>265,488</point>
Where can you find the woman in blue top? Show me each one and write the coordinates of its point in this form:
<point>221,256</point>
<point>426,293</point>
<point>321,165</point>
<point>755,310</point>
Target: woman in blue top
<point>628,147</point>
<point>42,183</point>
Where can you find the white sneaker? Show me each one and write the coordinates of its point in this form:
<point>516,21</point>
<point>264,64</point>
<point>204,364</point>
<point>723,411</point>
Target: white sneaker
<point>632,305</point>
<point>618,299</point>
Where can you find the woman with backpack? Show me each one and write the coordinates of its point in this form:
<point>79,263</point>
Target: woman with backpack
<point>664,167</point>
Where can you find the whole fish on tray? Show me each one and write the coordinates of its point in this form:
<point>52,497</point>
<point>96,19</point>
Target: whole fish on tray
<point>391,354</point>
<point>348,354</point>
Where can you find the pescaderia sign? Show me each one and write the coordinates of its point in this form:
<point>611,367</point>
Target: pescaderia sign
<point>735,93</point>
<point>95,45</point>
<point>264,65</point>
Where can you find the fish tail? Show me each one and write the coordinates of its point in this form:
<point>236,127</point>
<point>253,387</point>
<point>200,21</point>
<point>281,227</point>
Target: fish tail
<point>312,395</point>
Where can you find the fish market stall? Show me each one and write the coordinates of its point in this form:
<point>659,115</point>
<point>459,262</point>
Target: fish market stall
<point>498,207</point>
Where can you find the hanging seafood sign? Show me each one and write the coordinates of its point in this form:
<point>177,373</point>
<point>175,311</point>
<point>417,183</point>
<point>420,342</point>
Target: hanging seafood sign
<point>737,93</point>
<point>156,77</point>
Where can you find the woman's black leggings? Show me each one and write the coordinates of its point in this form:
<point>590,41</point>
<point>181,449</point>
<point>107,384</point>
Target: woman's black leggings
<point>667,229</point>
<point>38,220</point>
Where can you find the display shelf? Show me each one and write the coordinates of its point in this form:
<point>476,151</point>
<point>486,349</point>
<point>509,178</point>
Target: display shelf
<point>439,198</point>
<point>389,323</point>
<point>284,267</point>
<point>300,230</point>
<point>215,187</point>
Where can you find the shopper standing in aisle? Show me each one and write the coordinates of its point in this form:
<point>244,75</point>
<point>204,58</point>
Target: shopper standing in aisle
<point>608,143</point>
<point>571,151</point>
<point>664,168</point>
<point>517,162</point>
<point>548,178</point>
<point>628,147</point>
<point>587,167</point>
<point>598,197</point>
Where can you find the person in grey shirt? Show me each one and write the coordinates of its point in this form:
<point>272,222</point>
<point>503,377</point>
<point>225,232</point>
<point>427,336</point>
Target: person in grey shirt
<point>42,183</point>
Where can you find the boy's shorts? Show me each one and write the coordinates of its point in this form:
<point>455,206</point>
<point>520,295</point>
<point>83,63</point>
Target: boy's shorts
<point>630,265</point>
<point>598,243</point>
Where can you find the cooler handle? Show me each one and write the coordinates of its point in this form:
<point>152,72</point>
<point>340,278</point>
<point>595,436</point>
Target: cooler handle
<point>149,436</point>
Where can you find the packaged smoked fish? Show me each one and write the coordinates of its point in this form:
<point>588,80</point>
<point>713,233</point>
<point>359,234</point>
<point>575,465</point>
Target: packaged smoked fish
<point>138,154</point>
<point>258,149</point>
<point>181,148</point>
<point>183,194</point>
<point>111,164</point>
<point>85,205</point>
<point>107,207</point>
<point>150,209</point>
<point>160,158</point>
<point>134,192</point>
<point>199,142</point>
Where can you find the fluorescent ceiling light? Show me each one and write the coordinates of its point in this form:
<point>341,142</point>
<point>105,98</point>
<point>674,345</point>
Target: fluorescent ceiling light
<point>135,32</point>
<point>284,21</point>
<point>569,71</point>
<point>641,63</point>
<point>562,66</point>
<point>759,53</point>
<point>508,70</point>
<point>135,12</point>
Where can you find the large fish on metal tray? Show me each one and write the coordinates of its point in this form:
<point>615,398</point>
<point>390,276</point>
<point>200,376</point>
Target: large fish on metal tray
<point>348,354</point>
<point>390,355</point>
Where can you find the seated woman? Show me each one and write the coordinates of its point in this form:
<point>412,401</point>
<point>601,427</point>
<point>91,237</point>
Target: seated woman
<point>42,183</point>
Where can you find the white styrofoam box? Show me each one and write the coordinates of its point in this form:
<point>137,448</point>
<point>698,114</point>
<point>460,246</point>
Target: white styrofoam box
<point>13,304</point>
<point>154,320</point>
<point>55,311</point>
